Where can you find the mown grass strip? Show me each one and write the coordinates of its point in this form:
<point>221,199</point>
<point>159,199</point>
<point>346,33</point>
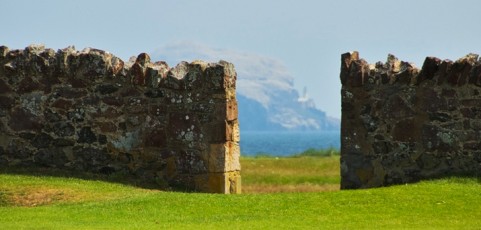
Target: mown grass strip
<point>450,203</point>
<point>22,190</point>
<point>290,174</point>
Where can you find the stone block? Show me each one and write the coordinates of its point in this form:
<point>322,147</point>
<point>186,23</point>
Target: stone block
<point>233,163</point>
<point>86,135</point>
<point>407,130</point>
<point>106,127</point>
<point>70,93</point>
<point>113,101</point>
<point>224,157</point>
<point>191,162</point>
<point>430,67</point>
<point>235,131</point>
<point>156,138</point>
<point>4,87</point>
<point>23,120</point>
<point>232,112</point>
<point>226,183</point>
<point>219,132</point>
<point>6,102</point>
<point>230,94</point>
<point>107,88</point>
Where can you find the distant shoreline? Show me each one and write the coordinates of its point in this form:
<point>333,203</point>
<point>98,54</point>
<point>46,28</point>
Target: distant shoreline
<point>287,143</point>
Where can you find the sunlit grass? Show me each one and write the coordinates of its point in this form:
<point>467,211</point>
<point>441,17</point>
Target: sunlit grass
<point>312,152</point>
<point>290,174</point>
<point>20,190</point>
<point>68,203</point>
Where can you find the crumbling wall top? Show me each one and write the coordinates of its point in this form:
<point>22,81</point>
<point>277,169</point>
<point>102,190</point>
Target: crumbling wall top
<point>356,72</point>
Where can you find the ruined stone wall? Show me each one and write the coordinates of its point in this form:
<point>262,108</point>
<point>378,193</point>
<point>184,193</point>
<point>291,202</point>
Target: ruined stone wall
<point>401,124</point>
<point>89,111</point>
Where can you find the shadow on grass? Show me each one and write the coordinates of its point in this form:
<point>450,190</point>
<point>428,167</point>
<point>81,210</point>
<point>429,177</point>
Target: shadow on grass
<point>460,178</point>
<point>457,177</point>
<point>131,180</point>
<point>120,178</point>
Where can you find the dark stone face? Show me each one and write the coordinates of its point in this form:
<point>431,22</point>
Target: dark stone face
<point>51,116</point>
<point>50,156</point>
<point>16,149</point>
<point>41,141</point>
<point>102,139</point>
<point>27,85</point>
<point>70,93</point>
<point>85,135</point>
<point>406,130</point>
<point>63,129</point>
<point>430,67</point>
<point>89,111</point>
<point>356,170</point>
<point>138,74</point>
<point>63,142</point>
<point>106,127</point>
<point>107,89</point>
<point>6,102</point>
<point>189,162</point>
<point>21,120</point>
<point>4,87</point>
<point>157,138</point>
<point>155,93</point>
<point>3,157</point>
<point>404,124</point>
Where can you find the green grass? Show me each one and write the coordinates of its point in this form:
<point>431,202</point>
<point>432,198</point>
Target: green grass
<point>450,203</point>
<point>312,152</point>
<point>290,174</point>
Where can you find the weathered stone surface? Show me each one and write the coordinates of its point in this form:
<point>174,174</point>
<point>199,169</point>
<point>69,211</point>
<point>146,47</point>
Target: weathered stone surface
<point>221,182</point>
<point>106,127</point>
<point>50,157</point>
<point>42,140</point>
<point>224,157</point>
<point>21,120</point>
<point>6,102</point>
<point>3,51</point>
<point>85,135</point>
<point>220,131</point>
<point>89,111</point>
<point>232,110</point>
<point>403,124</point>
<point>430,67</point>
<point>70,93</point>
<point>107,88</point>
<point>4,88</point>
<point>156,138</point>
<point>406,130</point>
<point>62,104</point>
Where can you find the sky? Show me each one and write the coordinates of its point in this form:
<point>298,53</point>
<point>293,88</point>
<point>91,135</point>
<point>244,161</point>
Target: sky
<point>307,36</point>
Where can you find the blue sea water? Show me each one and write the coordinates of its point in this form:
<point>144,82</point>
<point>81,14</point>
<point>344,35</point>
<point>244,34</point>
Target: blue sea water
<point>287,143</point>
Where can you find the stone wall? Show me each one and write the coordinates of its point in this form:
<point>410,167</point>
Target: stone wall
<point>401,124</point>
<point>89,111</point>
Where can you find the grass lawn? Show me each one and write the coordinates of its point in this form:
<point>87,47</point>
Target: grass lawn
<point>290,174</point>
<point>31,202</point>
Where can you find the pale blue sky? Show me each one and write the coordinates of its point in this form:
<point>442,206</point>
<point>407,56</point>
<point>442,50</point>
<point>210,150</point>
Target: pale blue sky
<point>308,36</point>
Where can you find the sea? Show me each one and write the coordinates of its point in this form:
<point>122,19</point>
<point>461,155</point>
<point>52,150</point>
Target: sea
<point>286,143</point>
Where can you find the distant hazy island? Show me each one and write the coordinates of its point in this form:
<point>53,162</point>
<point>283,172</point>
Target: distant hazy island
<point>286,111</point>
